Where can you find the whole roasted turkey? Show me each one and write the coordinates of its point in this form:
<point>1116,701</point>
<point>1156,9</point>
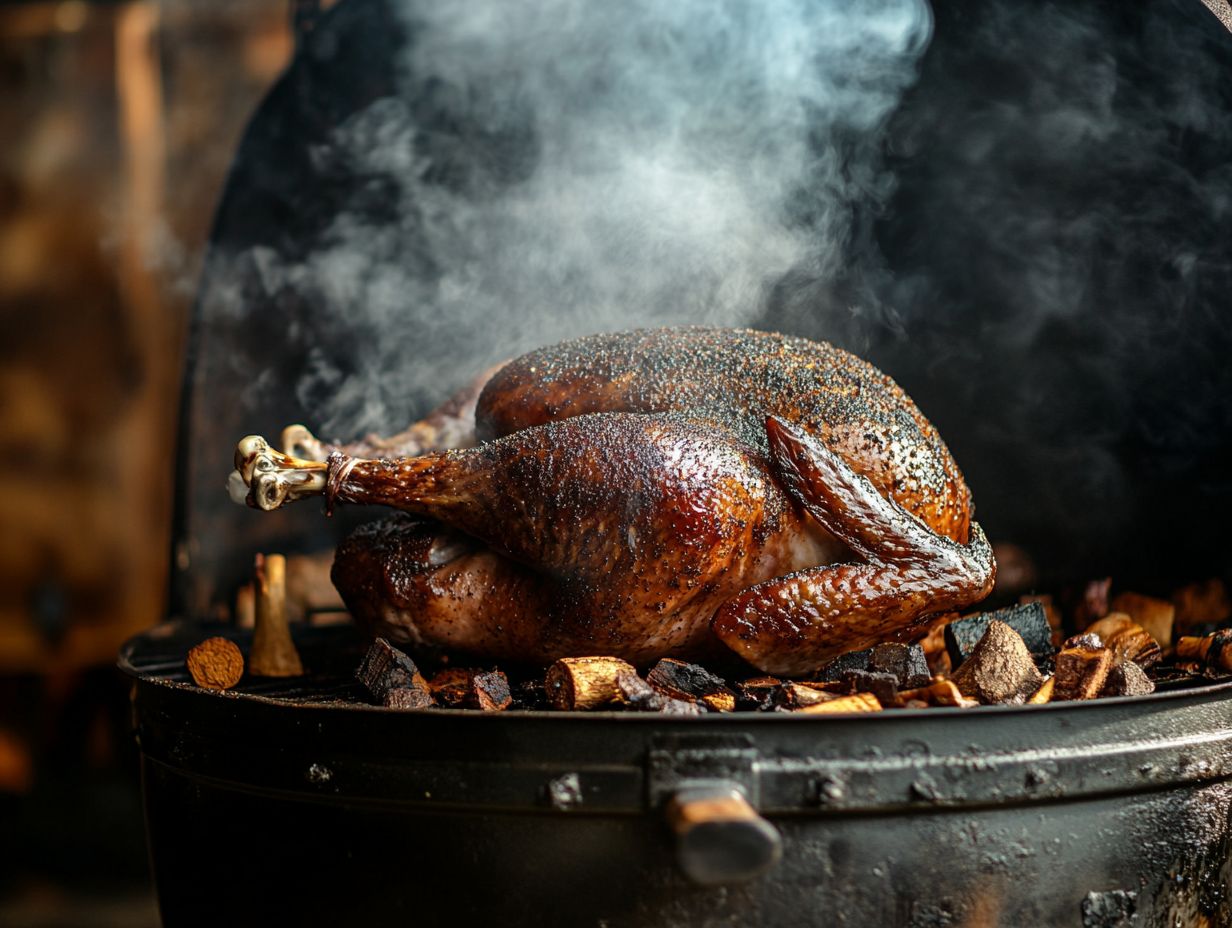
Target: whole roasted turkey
<point>648,494</point>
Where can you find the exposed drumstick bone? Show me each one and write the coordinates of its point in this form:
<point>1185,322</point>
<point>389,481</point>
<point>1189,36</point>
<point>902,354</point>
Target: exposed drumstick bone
<point>274,478</point>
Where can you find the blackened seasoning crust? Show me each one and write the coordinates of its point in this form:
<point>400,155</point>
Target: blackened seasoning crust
<point>651,494</point>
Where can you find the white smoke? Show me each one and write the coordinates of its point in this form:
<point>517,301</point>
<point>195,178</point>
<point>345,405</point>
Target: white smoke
<point>558,167</point>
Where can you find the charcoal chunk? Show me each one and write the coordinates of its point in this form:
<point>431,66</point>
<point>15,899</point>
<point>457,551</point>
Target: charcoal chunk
<point>688,682</point>
<point>852,660</point>
<point>905,661</point>
<point>757,693</point>
<point>639,696</point>
<point>489,691</point>
<point>385,669</point>
<point>1028,620</point>
<point>882,685</point>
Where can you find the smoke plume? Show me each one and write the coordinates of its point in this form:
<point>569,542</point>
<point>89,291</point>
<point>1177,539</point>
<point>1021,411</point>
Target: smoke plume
<point>564,167</point>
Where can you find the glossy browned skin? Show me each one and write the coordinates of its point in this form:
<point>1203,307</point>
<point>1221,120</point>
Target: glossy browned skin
<point>647,493</point>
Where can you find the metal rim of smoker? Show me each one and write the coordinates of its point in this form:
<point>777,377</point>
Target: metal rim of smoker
<point>610,763</point>
<point>745,794</point>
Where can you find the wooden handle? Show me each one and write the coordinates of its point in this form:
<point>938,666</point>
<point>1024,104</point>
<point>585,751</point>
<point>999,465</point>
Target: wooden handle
<point>720,838</point>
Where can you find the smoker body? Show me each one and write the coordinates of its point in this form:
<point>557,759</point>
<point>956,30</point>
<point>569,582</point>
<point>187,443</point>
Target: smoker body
<point>265,810</point>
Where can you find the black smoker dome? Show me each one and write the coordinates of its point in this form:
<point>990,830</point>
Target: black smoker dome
<point>1042,257</point>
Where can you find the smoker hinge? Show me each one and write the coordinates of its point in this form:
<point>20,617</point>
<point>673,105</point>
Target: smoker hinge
<point>677,761</point>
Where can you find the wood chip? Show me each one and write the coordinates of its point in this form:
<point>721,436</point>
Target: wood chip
<point>639,696</point>
<point>857,702</point>
<point>799,693</point>
<point>585,683</point>
<point>216,664</point>
<point>1213,651</point>
<point>1081,673</point>
<point>938,693</point>
<point>1000,669</point>
<point>1128,640</point>
<point>408,697</point>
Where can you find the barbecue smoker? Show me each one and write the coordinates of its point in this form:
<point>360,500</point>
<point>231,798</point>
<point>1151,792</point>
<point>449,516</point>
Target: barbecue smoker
<point>295,802</point>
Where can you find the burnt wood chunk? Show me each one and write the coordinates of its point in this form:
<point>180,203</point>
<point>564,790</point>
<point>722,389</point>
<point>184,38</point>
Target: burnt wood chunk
<point>882,685</point>
<point>1127,679</point>
<point>1213,651</point>
<point>1128,640</point>
<point>386,670</point>
<point>757,693</point>
<point>688,682</point>
<point>797,694</point>
<point>1028,621</point>
<point>1081,673</point>
<point>451,686</point>
<point>639,696</point>
<point>852,660</point>
<point>489,691</point>
<point>585,682</point>
<point>905,661</point>
<point>635,693</point>
<point>1155,615</point>
<point>999,669</point>
<point>857,702</point>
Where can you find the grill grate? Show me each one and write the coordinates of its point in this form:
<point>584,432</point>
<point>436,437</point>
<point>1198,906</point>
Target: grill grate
<point>330,655</point>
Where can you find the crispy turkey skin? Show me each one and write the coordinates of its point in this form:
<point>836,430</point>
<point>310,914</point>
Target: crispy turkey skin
<point>656,493</point>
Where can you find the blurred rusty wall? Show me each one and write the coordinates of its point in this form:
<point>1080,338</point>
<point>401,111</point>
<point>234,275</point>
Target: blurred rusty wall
<point>118,123</point>
<point>117,126</point>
